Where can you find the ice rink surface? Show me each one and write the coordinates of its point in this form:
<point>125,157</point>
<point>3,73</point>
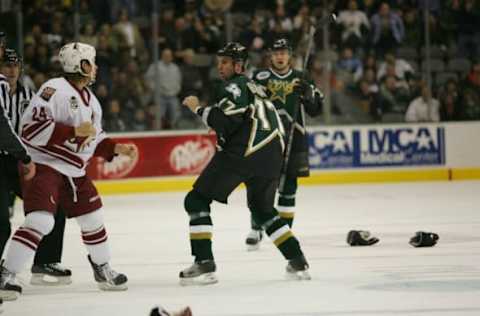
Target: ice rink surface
<point>149,241</point>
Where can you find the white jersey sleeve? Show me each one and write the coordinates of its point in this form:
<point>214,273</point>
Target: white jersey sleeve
<point>48,128</point>
<point>43,116</point>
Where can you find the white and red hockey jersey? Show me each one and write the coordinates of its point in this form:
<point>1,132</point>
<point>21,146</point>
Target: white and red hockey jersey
<point>48,128</point>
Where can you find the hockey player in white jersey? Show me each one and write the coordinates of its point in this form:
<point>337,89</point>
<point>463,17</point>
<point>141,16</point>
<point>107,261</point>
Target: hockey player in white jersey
<point>62,130</point>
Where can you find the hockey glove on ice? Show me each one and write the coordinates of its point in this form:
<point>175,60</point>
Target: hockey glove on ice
<point>424,239</point>
<point>361,238</point>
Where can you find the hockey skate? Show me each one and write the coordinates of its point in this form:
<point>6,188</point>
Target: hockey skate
<point>253,240</point>
<point>160,311</point>
<point>297,269</point>
<point>107,278</point>
<point>9,288</point>
<point>200,273</point>
<point>50,274</point>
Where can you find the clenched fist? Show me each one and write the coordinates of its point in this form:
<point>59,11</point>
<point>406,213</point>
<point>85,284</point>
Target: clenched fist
<point>85,129</point>
<point>192,103</point>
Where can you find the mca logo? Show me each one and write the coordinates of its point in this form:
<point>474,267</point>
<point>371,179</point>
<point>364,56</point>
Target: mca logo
<point>403,146</point>
<point>331,149</point>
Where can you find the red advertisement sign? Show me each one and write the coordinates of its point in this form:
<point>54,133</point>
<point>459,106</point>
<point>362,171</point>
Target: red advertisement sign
<point>162,155</point>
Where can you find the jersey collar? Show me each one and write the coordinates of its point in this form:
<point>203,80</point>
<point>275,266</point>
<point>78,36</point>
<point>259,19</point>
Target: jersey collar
<point>282,76</point>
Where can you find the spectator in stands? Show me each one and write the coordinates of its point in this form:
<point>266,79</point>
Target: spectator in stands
<point>473,78</point>
<point>88,35</point>
<point>350,64</point>
<point>128,34</point>
<point>303,15</point>
<point>354,26</point>
<point>424,108</point>
<point>105,60</point>
<point>254,37</point>
<point>449,19</point>
<point>42,59</point>
<point>402,69</point>
<point>191,77</point>
<point>449,108</point>
<point>393,100</point>
<point>369,101</point>
<point>169,84</point>
<point>139,123</point>
<point>470,107</point>
<point>388,30</point>
<point>113,119</point>
<point>281,18</point>
<point>166,27</point>
<point>370,77</point>
<point>468,29</point>
<point>413,37</point>
<point>102,95</point>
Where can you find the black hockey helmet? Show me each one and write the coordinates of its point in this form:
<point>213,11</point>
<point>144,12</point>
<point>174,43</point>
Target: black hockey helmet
<point>11,57</point>
<point>235,50</point>
<point>281,43</point>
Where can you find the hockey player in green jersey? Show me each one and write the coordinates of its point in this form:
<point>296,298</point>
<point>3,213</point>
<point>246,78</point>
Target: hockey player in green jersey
<point>287,89</point>
<point>250,141</point>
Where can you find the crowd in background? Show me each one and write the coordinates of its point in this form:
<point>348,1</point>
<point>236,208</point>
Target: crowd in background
<point>377,54</point>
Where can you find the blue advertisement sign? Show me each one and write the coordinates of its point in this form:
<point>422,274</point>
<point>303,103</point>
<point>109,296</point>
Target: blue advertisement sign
<point>377,147</point>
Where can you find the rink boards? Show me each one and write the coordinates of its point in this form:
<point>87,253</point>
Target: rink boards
<point>169,161</point>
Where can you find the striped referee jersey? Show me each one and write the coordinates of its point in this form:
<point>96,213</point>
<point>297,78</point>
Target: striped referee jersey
<point>15,104</point>
<point>13,107</point>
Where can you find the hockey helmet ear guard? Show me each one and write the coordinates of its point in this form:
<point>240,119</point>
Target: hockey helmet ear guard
<point>361,238</point>
<point>72,54</point>
<point>424,239</point>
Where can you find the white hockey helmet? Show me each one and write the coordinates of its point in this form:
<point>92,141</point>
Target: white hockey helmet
<point>72,54</point>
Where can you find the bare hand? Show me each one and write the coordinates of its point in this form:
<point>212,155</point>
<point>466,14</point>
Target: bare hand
<point>184,312</point>
<point>29,170</point>
<point>85,129</point>
<point>191,102</point>
<point>127,150</point>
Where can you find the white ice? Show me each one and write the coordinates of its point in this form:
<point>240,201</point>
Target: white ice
<point>149,239</point>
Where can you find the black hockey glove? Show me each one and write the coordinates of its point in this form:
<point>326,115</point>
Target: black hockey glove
<point>424,239</point>
<point>301,86</point>
<point>361,238</point>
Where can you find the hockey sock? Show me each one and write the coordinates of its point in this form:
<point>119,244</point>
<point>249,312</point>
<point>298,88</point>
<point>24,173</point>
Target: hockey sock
<point>286,200</point>
<point>201,226</point>
<point>94,236</point>
<point>26,239</point>
<point>201,237</point>
<point>281,235</point>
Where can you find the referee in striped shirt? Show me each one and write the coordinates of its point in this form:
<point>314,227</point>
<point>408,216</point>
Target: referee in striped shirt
<point>15,97</point>
<point>9,142</point>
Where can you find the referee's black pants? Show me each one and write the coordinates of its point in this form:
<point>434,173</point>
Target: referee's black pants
<point>51,246</point>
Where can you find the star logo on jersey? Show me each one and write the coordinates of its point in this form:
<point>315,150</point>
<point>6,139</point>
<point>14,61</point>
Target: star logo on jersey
<point>234,90</point>
<point>279,90</point>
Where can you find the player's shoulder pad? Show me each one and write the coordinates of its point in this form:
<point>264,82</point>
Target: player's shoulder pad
<point>47,92</point>
<point>262,75</point>
<point>51,87</point>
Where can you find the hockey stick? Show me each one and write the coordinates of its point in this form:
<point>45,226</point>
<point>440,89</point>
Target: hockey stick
<point>311,34</point>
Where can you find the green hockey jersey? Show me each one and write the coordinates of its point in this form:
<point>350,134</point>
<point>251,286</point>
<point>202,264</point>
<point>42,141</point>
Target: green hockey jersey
<point>281,93</point>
